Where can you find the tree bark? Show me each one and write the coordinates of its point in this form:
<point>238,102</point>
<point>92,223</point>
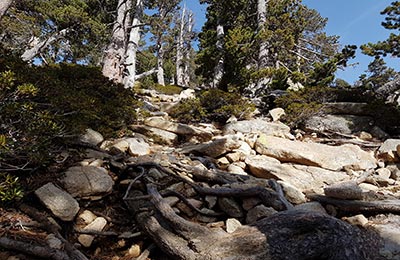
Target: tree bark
<point>290,234</point>
<point>160,64</point>
<point>219,67</point>
<point>180,67</point>
<point>263,52</point>
<point>4,5</point>
<point>190,26</point>
<point>113,60</point>
<point>133,45</point>
<point>31,53</point>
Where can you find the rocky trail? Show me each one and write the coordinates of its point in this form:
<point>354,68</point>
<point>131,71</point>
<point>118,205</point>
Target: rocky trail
<point>252,189</point>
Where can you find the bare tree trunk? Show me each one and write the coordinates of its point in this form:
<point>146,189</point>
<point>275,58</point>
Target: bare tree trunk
<point>133,45</point>
<point>113,60</point>
<point>160,64</point>
<point>31,53</point>
<point>180,52</point>
<point>263,53</point>
<point>188,49</point>
<point>219,68</point>
<point>4,5</point>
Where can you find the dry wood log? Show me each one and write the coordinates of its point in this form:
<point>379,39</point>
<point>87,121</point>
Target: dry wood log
<point>379,206</point>
<point>52,228</point>
<point>44,252</point>
<point>288,235</point>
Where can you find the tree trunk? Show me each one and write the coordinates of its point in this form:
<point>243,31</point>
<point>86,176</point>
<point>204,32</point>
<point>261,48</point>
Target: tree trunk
<point>31,53</point>
<point>219,68</point>
<point>113,60</point>
<point>4,5</point>
<point>180,67</point>
<point>263,53</point>
<point>188,49</point>
<point>160,64</point>
<point>133,45</point>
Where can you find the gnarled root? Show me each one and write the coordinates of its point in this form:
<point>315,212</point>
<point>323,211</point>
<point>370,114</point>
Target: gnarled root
<point>289,234</point>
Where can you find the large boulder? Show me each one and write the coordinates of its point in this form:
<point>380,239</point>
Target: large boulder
<point>177,128</point>
<point>214,148</point>
<point>347,108</point>
<point>59,202</point>
<point>135,146</point>
<point>302,177</point>
<point>345,124</point>
<point>325,156</point>
<point>258,126</point>
<point>158,135</point>
<point>82,181</point>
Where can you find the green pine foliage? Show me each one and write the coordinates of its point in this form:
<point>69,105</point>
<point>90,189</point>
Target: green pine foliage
<point>41,107</point>
<point>212,105</point>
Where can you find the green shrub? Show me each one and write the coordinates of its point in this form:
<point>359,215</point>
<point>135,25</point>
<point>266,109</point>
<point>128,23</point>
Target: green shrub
<point>212,105</point>
<point>10,189</point>
<point>41,106</point>
<point>167,89</point>
<point>301,105</point>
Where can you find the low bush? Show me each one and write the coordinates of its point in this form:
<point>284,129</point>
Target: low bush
<point>212,105</point>
<point>41,107</point>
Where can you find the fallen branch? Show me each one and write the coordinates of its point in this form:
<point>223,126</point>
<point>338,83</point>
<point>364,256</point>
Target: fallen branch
<point>44,252</point>
<point>380,206</point>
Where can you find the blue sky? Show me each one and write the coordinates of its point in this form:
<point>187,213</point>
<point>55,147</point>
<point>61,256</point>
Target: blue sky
<point>355,21</point>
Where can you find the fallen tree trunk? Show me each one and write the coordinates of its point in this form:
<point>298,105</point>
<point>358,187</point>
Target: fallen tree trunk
<point>290,234</point>
<point>379,206</point>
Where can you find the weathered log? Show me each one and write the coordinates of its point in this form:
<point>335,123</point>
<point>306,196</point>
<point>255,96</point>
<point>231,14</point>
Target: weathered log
<point>379,206</point>
<point>44,252</point>
<point>290,234</point>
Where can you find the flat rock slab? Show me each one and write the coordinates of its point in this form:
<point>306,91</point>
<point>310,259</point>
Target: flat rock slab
<point>177,128</point>
<point>59,202</point>
<point>300,176</point>
<point>345,124</point>
<point>334,158</point>
<point>214,148</point>
<point>158,135</point>
<point>258,126</point>
<point>82,181</point>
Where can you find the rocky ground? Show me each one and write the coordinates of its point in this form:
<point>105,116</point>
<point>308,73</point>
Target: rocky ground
<point>252,189</point>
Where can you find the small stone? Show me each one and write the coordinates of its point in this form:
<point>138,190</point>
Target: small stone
<point>230,207</point>
<point>312,206</point>
<point>96,163</point>
<point>258,213</point>
<point>87,216</point>
<point>59,202</point>
<point>92,137</point>
<point>293,194</point>
<point>134,251</point>
<point>384,173</point>
<point>357,220</point>
<point>97,225</point>
<point>223,163</point>
<point>236,169</point>
<point>368,187</point>
<point>276,113</point>
<point>211,201</point>
<point>54,242</point>
<point>249,203</point>
<point>232,224</point>
<point>365,136</point>
<point>235,157</point>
